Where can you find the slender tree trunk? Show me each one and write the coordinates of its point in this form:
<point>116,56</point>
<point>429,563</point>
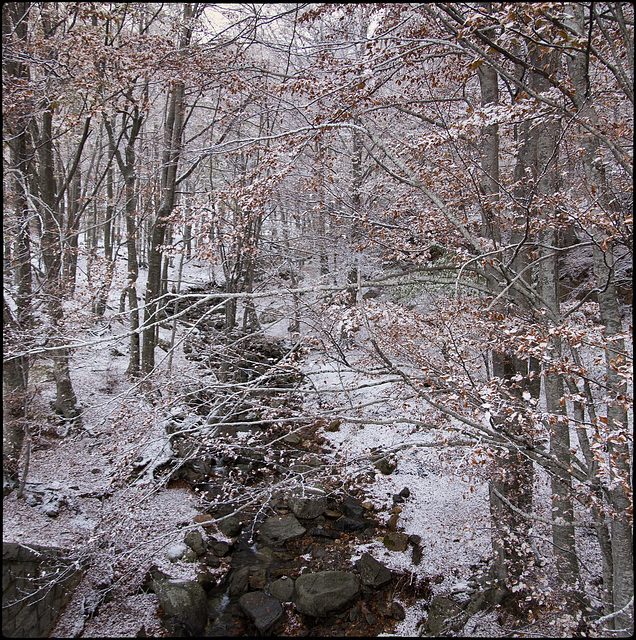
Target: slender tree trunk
<point>514,476</point>
<point>172,141</point>
<point>127,168</point>
<point>72,235</point>
<point>620,491</point>
<point>17,327</point>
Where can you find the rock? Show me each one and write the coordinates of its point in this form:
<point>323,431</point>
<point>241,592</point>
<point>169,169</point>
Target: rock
<point>397,499</point>
<point>352,507</point>
<point>368,505</point>
<point>205,578</point>
<point>212,561</point>
<point>385,466</point>
<point>194,540</point>
<point>239,582</point>
<point>405,493</point>
<point>220,549</point>
<point>391,524</point>
<point>293,439</point>
<point>326,592</point>
<point>396,541</point>
<point>282,589</point>
<point>277,530</point>
<point>372,572</point>
<point>350,525</point>
<point>184,604</point>
<point>203,518</point>
<point>258,580</point>
<point>397,611</point>
<point>417,554</point>
<point>308,507</point>
<point>265,611</point>
<point>333,426</point>
<point>230,526</point>
<point>415,539</point>
<point>371,618</point>
<point>444,615</point>
<point>322,533</point>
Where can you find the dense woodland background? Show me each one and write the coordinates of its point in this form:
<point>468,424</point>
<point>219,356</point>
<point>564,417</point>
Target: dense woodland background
<point>446,187</point>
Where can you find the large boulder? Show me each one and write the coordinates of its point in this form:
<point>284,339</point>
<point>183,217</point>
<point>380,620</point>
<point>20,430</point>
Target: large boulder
<point>277,530</point>
<point>372,572</point>
<point>326,592</point>
<point>265,611</point>
<point>184,604</point>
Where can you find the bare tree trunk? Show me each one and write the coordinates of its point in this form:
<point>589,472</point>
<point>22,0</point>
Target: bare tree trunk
<point>621,534</point>
<point>127,168</point>
<point>69,269</point>
<point>65,402</point>
<point>172,144</point>
<point>515,474</point>
<point>15,371</point>
<point>618,449</point>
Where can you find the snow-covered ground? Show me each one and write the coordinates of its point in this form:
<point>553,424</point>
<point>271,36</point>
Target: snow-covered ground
<point>128,524</point>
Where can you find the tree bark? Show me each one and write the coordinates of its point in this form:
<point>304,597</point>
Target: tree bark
<point>51,244</point>
<point>620,490</point>
<point>15,371</point>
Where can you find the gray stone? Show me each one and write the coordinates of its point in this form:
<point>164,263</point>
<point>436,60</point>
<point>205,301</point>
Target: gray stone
<point>212,561</point>
<point>37,582</point>
<point>277,530</point>
<point>372,572</point>
<point>220,549</point>
<point>350,525</point>
<point>265,611</point>
<point>230,526</point>
<point>397,611</point>
<point>352,507</point>
<point>282,589</point>
<point>444,615</point>
<point>184,604</point>
<point>326,592</point>
<point>385,466</point>
<point>258,580</point>
<point>239,582</point>
<point>307,507</point>
<point>194,540</point>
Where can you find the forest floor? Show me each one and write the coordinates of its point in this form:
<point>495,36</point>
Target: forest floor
<point>82,493</point>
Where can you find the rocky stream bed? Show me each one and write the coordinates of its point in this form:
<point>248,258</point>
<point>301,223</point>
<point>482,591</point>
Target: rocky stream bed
<point>279,546</point>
